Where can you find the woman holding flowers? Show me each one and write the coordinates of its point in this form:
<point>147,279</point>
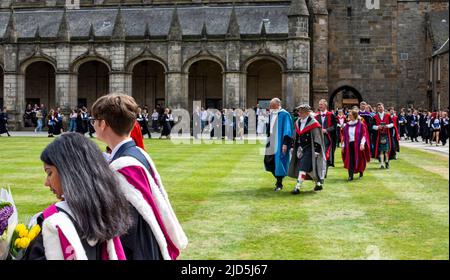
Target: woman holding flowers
<point>92,212</point>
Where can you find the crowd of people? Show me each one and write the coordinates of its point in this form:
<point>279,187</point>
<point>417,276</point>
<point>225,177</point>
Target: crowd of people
<point>302,145</point>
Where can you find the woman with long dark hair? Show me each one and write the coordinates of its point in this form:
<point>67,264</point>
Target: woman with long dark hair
<point>92,212</point>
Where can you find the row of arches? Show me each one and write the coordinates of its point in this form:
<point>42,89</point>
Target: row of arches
<point>205,83</point>
<point>148,84</point>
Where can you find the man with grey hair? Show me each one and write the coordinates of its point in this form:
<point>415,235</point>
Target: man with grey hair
<point>277,156</point>
<point>328,122</point>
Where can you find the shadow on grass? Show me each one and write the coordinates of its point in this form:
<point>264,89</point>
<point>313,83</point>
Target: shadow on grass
<point>264,193</point>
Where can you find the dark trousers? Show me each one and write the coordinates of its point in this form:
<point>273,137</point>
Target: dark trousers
<point>279,180</point>
<point>351,168</point>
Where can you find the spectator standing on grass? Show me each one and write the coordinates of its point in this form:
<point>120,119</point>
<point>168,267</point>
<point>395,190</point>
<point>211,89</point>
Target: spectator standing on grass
<point>436,127</point>
<point>73,120</point>
<point>51,122</point>
<point>39,120</point>
<point>155,118</point>
<point>4,122</point>
<point>444,128</point>
<point>166,125</point>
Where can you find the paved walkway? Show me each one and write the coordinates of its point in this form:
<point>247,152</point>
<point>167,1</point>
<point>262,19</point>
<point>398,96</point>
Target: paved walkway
<point>426,147</point>
<point>415,145</point>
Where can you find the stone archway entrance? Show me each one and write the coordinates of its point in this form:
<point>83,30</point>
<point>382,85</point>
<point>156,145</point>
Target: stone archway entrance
<point>149,84</point>
<point>344,97</point>
<point>40,84</point>
<point>206,84</point>
<point>93,82</point>
<point>264,82</point>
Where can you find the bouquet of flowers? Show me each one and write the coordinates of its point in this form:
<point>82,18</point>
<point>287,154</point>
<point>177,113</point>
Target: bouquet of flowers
<point>21,239</point>
<point>8,221</point>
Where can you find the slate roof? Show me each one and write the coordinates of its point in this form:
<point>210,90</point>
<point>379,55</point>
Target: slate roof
<point>191,18</point>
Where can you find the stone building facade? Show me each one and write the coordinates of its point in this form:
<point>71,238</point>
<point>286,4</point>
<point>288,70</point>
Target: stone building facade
<point>226,54</point>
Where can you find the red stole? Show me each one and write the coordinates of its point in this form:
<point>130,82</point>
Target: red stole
<point>328,116</point>
<point>394,120</point>
<point>378,121</point>
<point>306,128</point>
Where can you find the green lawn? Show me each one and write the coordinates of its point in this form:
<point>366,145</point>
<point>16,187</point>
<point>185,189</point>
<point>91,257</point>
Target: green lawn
<point>226,204</point>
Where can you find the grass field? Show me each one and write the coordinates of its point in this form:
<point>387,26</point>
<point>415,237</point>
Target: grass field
<point>226,204</point>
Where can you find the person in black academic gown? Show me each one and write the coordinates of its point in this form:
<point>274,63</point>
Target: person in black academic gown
<point>4,122</point>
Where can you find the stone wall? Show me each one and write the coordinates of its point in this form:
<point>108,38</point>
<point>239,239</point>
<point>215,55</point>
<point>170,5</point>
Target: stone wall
<point>442,84</point>
<point>363,49</point>
<point>413,52</point>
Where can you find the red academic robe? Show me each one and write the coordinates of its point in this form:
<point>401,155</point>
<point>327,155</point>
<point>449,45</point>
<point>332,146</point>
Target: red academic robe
<point>361,157</point>
<point>136,135</point>
<point>330,122</point>
<point>387,120</point>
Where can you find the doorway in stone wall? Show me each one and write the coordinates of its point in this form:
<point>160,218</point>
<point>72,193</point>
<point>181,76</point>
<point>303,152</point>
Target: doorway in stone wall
<point>344,97</point>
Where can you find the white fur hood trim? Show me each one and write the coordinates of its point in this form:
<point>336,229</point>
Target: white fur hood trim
<point>52,244</point>
<point>168,216</point>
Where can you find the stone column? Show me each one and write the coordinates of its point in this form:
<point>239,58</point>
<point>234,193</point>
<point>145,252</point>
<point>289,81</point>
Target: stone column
<point>320,55</point>
<point>232,96</point>
<point>297,73</point>
<point>118,77</point>
<point>176,81</point>
<point>13,92</point>
<point>231,77</point>
<point>296,77</point>
<point>66,98</point>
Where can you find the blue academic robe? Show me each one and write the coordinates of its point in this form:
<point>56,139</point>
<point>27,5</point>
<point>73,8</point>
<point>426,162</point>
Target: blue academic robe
<point>284,128</point>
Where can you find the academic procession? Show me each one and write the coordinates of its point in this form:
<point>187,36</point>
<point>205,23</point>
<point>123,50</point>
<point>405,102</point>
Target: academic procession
<point>223,130</point>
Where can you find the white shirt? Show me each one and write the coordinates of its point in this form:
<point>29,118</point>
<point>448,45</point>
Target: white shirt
<point>204,116</point>
<point>381,115</point>
<point>114,151</point>
<point>323,115</point>
<point>273,119</point>
<point>351,133</point>
<point>303,123</point>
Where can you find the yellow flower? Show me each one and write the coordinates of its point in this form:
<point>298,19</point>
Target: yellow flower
<point>34,231</point>
<point>23,243</point>
<point>16,242</point>
<point>23,233</point>
<point>20,227</point>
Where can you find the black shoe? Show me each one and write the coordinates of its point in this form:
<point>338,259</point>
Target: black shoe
<point>318,188</point>
<point>295,191</point>
<point>360,175</point>
<point>387,165</point>
<point>350,179</point>
<point>278,188</point>
<point>382,167</point>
